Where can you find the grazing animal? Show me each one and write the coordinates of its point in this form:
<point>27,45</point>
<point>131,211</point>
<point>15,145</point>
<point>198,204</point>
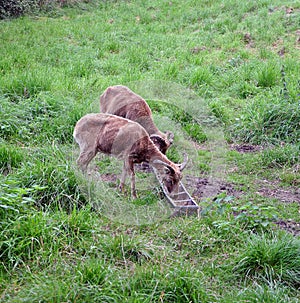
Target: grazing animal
<point>127,140</point>
<point>121,101</point>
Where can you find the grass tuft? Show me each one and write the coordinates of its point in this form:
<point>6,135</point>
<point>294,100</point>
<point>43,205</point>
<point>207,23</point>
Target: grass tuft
<point>267,123</point>
<point>275,259</point>
<point>40,119</point>
<point>267,75</point>
<point>264,293</point>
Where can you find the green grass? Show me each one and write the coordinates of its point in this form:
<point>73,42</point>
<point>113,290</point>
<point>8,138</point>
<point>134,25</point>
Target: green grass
<point>214,73</point>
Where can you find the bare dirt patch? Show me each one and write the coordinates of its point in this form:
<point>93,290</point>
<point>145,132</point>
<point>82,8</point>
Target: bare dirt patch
<point>285,195</point>
<point>248,40</point>
<point>205,188</point>
<point>272,190</point>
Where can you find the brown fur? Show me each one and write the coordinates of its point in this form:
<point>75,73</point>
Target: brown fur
<point>126,140</point>
<point>121,101</point>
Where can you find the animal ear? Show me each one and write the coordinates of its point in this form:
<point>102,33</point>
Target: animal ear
<point>184,163</point>
<point>167,171</point>
<point>159,142</point>
<point>170,136</point>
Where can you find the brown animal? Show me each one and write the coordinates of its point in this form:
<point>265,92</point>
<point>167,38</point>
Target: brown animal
<point>127,140</point>
<point>121,101</point>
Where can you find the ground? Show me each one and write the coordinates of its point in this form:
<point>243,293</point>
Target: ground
<point>204,187</point>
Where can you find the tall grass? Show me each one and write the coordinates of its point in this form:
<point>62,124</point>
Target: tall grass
<point>10,158</point>
<point>41,118</point>
<point>272,259</point>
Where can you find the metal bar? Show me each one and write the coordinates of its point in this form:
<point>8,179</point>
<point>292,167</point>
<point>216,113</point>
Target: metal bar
<point>177,194</point>
<point>185,200</point>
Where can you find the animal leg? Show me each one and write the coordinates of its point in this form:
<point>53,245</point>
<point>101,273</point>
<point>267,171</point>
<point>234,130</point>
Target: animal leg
<point>123,177</point>
<point>128,167</point>
<point>85,158</point>
<point>133,190</point>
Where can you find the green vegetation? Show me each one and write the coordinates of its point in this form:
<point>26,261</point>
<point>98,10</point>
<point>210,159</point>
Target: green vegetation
<point>202,66</point>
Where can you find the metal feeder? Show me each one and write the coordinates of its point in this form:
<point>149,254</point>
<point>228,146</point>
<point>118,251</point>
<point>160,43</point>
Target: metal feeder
<point>182,202</point>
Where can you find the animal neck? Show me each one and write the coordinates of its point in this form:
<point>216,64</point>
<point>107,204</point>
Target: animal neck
<point>147,123</point>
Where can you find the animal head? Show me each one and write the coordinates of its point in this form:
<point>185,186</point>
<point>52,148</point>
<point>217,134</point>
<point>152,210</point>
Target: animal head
<point>172,174</point>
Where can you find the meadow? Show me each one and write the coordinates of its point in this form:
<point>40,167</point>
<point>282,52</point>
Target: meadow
<point>224,77</point>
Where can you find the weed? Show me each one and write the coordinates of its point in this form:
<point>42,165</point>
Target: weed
<point>254,216</point>
<point>225,215</point>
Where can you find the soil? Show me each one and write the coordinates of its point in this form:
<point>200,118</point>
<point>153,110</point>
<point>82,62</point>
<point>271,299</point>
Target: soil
<point>287,195</point>
<point>204,188</point>
<point>290,226</point>
<point>246,148</point>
